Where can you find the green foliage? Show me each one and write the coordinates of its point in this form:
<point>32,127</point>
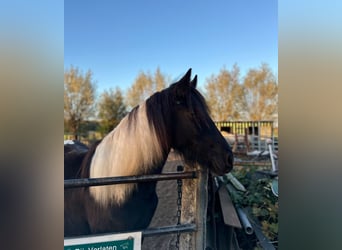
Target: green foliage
<point>87,126</point>
<point>259,197</point>
<point>111,110</point>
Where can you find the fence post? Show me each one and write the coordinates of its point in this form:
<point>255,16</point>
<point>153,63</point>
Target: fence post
<point>194,209</point>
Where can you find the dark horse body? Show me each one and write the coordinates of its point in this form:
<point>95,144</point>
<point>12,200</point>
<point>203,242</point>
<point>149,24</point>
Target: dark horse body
<point>176,117</point>
<point>74,153</point>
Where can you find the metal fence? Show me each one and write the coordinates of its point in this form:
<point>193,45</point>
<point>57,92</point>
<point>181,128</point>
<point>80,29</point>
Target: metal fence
<point>194,203</point>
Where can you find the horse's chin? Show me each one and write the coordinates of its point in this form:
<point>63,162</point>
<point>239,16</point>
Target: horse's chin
<point>220,170</point>
<point>218,173</point>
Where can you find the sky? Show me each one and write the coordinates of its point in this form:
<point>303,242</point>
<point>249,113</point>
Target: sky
<point>119,39</point>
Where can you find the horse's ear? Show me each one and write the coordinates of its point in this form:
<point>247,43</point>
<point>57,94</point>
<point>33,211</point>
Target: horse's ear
<point>183,85</point>
<point>186,78</point>
<point>193,83</point>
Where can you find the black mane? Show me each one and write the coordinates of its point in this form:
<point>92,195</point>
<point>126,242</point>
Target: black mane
<point>158,114</point>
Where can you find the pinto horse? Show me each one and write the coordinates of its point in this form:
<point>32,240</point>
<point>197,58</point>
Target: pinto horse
<point>176,117</point>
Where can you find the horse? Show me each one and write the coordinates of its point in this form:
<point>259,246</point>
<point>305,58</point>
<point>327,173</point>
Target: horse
<point>175,118</point>
<point>74,153</point>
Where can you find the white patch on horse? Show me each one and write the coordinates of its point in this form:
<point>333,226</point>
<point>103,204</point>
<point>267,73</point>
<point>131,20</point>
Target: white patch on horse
<point>130,149</point>
<point>68,142</point>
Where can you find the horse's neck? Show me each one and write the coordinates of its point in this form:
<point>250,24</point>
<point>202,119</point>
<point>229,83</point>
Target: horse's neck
<point>120,193</point>
<point>158,168</point>
<point>133,147</point>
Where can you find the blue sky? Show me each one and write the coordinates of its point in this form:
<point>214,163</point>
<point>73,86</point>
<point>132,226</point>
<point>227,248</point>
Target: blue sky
<point>119,39</point>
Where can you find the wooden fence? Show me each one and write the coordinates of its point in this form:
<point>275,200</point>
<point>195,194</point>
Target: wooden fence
<point>253,133</point>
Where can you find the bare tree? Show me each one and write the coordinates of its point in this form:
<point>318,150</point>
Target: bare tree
<point>261,93</point>
<point>144,86</point>
<point>225,94</point>
<point>79,94</point>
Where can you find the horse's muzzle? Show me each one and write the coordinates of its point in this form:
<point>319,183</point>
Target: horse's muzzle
<point>230,161</point>
<point>224,166</point>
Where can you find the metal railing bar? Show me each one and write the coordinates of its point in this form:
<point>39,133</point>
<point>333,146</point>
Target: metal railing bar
<point>86,182</point>
<point>182,228</point>
<point>149,232</point>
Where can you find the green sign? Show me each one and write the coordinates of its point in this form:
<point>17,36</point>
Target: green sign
<point>129,241</point>
<point>110,245</point>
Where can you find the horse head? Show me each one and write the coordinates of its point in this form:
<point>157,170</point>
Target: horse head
<point>193,133</point>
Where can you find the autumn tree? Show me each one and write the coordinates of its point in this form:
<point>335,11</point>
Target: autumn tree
<point>224,94</point>
<point>79,94</point>
<point>112,109</point>
<point>144,86</point>
<point>261,94</point>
